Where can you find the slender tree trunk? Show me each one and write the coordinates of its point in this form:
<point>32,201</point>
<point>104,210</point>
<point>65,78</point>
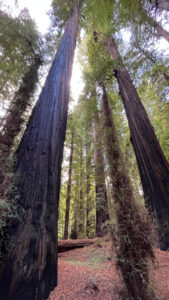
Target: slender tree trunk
<point>133,229</point>
<point>68,191</point>
<point>29,271</point>
<point>15,119</point>
<point>153,166</point>
<point>102,214</point>
<point>89,202</point>
<point>81,228</point>
<point>88,188</point>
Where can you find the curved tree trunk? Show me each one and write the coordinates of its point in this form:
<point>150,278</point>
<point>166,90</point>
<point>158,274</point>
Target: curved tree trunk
<point>133,228</point>
<point>29,271</point>
<point>15,119</point>
<point>68,191</point>
<point>153,166</point>
<point>102,211</point>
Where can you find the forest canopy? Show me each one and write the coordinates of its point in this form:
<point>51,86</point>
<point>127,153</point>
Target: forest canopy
<point>88,168</point>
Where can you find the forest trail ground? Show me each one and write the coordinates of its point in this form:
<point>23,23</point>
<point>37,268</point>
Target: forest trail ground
<point>90,273</point>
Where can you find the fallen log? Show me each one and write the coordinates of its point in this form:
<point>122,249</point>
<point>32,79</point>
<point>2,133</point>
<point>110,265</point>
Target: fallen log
<point>67,245</point>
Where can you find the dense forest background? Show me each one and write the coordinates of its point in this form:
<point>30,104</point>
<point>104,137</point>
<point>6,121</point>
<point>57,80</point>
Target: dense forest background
<point>114,171</point>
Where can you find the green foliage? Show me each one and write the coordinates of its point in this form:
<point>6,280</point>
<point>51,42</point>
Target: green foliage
<point>19,43</point>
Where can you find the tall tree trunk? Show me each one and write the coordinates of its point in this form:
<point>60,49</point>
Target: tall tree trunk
<point>153,166</point>
<point>131,225</point>
<point>68,191</point>
<point>81,228</point>
<point>102,214</point>
<point>29,271</point>
<point>15,119</point>
<point>88,184</point>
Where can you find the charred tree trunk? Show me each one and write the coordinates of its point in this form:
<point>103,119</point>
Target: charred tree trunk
<point>68,191</point>
<point>153,166</point>
<point>133,228</point>
<point>102,214</point>
<point>15,119</point>
<point>29,271</point>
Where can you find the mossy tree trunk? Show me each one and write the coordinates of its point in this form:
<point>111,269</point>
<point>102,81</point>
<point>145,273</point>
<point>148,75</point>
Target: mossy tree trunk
<point>29,271</point>
<point>134,247</point>
<point>152,164</point>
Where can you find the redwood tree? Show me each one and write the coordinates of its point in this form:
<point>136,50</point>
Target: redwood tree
<point>14,118</point>
<point>102,211</point>
<point>134,230</point>
<point>29,271</point>
<point>153,166</point>
<point>68,190</point>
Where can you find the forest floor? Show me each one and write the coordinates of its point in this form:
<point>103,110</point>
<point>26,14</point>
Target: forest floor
<point>90,273</point>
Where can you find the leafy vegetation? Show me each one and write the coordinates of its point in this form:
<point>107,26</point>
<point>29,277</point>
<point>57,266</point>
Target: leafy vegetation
<point>115,170</point>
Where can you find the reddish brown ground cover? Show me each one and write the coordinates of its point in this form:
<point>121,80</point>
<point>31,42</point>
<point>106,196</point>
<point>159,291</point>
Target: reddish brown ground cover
<point>90,273</point>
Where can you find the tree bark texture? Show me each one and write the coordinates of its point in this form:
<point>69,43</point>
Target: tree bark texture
<point>29,271</point>
<point>68,191</point>
<point>102,210</point>
<point>130,223</point>
<point>15,119</point>
<point>153,166</point>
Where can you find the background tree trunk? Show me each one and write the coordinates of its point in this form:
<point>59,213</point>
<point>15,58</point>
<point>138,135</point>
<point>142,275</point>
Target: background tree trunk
<point>68,191</point>
<point>29,271</point>
<point>131,224</point>
<point>102,210</point>
<point>81,226</point>
<point>153,166</point>
<point>15,118</point>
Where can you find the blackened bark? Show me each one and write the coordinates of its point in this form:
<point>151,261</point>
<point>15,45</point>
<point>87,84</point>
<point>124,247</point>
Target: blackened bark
<point>133,229</point>
<point>102,210</point>
<point>29,271</point>
<point>153,166</point>
<point>68,191</point>
<point>15,119</point>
